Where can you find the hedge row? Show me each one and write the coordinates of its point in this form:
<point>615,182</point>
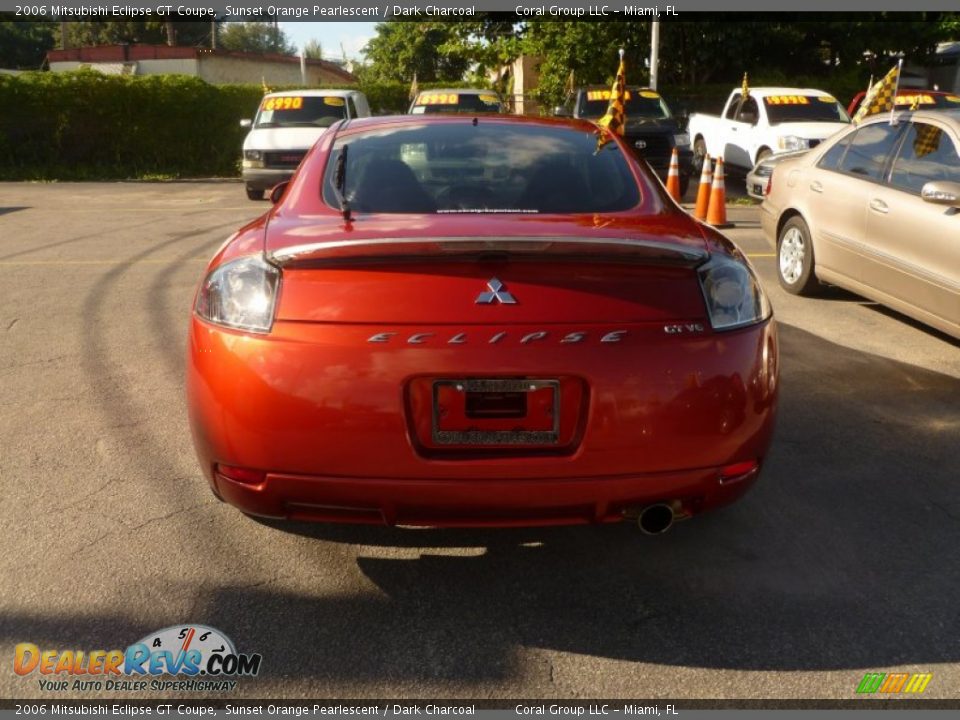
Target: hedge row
<point>85,125</point>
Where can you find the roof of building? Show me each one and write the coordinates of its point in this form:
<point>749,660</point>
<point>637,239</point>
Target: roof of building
<point>131,53</point>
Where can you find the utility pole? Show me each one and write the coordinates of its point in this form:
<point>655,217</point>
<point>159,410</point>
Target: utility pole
<point>654,52</point>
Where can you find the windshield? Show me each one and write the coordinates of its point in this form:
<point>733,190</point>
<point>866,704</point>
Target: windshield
<point>440,102</point>
<point>804,108</point>
<point>481,167</point>
<point>640,104</point>
<point>919,100</point>
<point>300,111</point>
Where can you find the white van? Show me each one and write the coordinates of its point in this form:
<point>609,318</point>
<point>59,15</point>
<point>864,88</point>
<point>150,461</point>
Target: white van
<point>286,126</point>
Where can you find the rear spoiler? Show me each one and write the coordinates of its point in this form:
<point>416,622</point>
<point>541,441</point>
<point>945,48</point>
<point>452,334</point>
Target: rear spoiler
<point>379,250</point>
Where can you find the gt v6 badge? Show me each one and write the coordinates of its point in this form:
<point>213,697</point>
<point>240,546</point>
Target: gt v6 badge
<point>683,328</point>
<point>496,292</point>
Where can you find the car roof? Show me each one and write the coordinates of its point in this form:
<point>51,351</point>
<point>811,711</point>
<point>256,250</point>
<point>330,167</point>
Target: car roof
<point>764,91</point>
<point>950,115</point>
<point>314,92</point>
<point>607,87</point>
<point>459,91</point>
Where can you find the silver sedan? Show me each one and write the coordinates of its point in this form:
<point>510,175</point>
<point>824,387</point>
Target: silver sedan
<point>875,210</point>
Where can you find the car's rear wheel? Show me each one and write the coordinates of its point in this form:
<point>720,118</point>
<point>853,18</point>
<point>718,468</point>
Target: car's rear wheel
<point>795,262</point>
<point>699,155</point>
<point>253,194</point>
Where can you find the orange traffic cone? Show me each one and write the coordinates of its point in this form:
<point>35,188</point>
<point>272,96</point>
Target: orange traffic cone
<point>673,176</point>
<point>703,190</point>
<point>717,212</point>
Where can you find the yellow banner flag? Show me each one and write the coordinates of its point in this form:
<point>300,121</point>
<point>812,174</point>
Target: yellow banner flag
<point>616,115</point>
<point>881,96</point>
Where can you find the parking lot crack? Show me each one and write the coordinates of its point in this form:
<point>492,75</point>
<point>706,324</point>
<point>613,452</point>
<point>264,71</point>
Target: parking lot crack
<point>12,323</point>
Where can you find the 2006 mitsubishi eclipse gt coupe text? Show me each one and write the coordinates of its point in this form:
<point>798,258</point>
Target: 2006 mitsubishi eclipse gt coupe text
<point>455,320</point>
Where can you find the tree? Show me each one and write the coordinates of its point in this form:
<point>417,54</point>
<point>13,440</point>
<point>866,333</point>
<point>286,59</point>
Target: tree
<point>313,50</point>
<point>258,37</point>
<point>432,50</point>
<point>96,32</point>
<point>24,45</point>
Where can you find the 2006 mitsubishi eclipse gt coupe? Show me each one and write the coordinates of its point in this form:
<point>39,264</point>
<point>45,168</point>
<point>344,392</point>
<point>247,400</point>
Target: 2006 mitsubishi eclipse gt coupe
<point>479,321</point>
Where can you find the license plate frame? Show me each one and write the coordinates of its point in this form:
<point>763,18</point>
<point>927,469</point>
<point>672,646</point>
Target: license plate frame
<point>545,432</point>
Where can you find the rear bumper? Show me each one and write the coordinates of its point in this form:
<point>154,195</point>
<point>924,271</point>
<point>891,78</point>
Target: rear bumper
<point>325,415</point>
<point>480,503</point>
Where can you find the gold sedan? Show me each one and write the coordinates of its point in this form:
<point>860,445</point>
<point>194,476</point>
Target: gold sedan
<point>875,210</point>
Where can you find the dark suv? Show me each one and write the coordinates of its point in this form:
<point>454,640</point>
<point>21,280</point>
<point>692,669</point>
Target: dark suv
<point>652,130</point>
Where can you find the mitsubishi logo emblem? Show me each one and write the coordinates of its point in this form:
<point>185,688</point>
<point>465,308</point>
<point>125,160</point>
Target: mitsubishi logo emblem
<point>497,292</point>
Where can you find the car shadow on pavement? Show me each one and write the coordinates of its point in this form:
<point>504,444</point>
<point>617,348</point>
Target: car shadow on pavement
<point>843,556</point>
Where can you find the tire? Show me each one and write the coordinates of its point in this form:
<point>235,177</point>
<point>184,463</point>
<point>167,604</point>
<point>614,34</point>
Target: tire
<point>795,261</point>
<point>254,194</point>
<point>763,155</point>
<point>699,154</point>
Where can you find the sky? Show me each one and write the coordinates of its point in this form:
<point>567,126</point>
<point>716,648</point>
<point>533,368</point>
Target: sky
<point>353,35</point>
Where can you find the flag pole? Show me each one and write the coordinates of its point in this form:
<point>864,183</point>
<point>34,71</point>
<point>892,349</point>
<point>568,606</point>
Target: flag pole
<point>896,88</point>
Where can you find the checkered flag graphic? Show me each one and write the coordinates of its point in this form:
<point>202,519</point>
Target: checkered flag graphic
<point>927,139</point>
<point>880,97</point>
<point>616,115</point>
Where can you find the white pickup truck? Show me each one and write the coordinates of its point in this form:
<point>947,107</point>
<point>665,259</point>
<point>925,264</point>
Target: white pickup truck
<point>767,120</point>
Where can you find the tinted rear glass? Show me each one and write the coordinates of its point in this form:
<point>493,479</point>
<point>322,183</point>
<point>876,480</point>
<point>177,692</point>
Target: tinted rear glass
<point>803,108</point>
<point>439,102</point>
<point>484,168</point>
<point>300,111</point>
<point>640,104</point>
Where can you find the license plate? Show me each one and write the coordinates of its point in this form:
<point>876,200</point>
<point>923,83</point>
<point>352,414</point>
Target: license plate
<point>757,189</point>
<point>499,411</point>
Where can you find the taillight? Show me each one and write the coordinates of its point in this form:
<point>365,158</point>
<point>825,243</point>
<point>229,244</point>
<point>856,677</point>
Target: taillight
<point>247,476</point>
<point>769,187</point>
<point>737,471</point>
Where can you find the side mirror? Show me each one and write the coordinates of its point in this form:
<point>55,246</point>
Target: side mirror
<point>276,193</point>
<point>941,192</point>
<point>246,122</point>
<point>561,111</point>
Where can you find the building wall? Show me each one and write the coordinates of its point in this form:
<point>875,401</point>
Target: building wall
<point>136,67</point>
<point>223,70</point>
<point>526,78</point>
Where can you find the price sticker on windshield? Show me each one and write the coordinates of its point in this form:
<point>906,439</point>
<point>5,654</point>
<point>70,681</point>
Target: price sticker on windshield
<point>602,95</point>
<point>787,100</point>
<point>915,100</point>
<point>282,103</point>
<point>439,99</point>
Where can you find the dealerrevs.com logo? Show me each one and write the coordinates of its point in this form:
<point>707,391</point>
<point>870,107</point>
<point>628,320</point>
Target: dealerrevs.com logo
<point>203,655</point>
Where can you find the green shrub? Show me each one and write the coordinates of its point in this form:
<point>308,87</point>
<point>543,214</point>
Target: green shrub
<point>85,125</point>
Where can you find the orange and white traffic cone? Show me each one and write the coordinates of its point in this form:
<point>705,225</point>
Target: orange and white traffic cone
<point>673,176</point>
<point>703,190</point>
<point>717,212</point>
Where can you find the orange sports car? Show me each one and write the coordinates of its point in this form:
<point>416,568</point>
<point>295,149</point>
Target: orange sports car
<point>489,320</point>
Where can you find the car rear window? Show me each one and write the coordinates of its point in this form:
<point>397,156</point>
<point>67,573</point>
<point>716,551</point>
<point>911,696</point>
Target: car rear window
<point>481,167</point>
<point>453,102</point>
<point>300,111</point>
<point>640,104</point>
<point>803,108</point>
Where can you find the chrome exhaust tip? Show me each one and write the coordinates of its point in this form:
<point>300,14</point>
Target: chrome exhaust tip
<point>655,519</point>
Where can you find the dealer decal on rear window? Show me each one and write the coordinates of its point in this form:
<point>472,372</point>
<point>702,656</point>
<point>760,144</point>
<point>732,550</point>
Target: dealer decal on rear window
<point>282,103</point>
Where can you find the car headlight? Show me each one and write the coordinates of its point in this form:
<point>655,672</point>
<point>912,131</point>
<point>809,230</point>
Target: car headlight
<point>733,294</point>
<point>792,142</point>
<point>240,294</point>
<point>252,159</point>
<point>681,139</point>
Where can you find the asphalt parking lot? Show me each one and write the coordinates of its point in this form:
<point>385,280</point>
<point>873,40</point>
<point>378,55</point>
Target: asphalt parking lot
<point>843,560</point>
